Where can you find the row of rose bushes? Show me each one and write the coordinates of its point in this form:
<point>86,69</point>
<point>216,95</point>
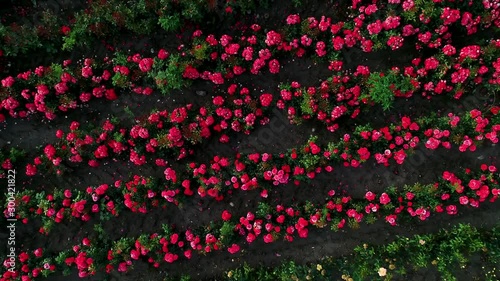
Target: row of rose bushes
<point>54,32</point>
<point>141,17</point>
<point>445,250</point>
<point>348,88</point>
<point>271,223</point>
<point>215,179</point>
<point>54,89</point>
<point>141,144</point>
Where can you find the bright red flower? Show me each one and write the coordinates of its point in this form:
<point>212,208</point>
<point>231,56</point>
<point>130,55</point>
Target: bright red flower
<point>233,249</point>
<point>293,19</point>
<point>146,64</point>
<point>472,52</point>
<point>226,215</point>
<point>87,71</point>
<point>449,50</point>
<point>190,73</point>
<point>391,219</point>
<point>338,43</point>
<point>31,170</point>
<point>374,28</point>
<point>274,66</point>
<point>268,238</point>
<point>101,152</point>
<point>170,258</point>
<point>170,174</point>
<point>451,209</point>
<point>217,78</point>
<point>273,38</point>
<point>266,99</point>
<point>187,254</point>
<point>475,184</point>
<point>134,254</point>
<point>8,82</point>
<point>110,94</point>
<point>384,199</point>
<point>370,196</point>
<point>65,30</point>
<point>431,63</point>
<point>162,54</point>
<point>464,200</point>
<point>364,153</point>
<point>315,149</point>
<point>395,42</point>
<point>38,252</point>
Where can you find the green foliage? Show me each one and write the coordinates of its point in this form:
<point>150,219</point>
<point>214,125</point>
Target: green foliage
<point>56,70</point>
<point>263,209</point>
<point>100,232</point>
<point>446,249</point>
<point>170,23</point>
<point>128,111</point>
<point>19,41</point>
<point>118,137</point>
<point>297,3</point>
<point>118,80</point>
<point>379,91</point>
<point>15,154</point>
<point>200,51</point>
<point>227,232</point>
<point>305,105</point>
<point>78,32</point>
<point>171,74</point>
<point>425,194</point>
<point>309,161</point>
<point>108,18</point>
<point>363,128</point>
<point>167,230</point>
<point>193,10</point>
<point>120,58</point>
<point>382,87</point>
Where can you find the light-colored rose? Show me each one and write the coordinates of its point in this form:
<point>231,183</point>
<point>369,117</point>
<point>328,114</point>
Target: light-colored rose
<point>382,272</point>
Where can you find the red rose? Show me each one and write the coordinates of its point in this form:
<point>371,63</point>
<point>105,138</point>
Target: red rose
<point>65,30</point>
<point>474,184</point>
<point>233,249</point>
<point>134,254</point>
<point>364,154</point>
<point>274,66</point>
<point>266,99</point>
<point>384,199</point>
<point>370,196</point>
<point>38,252</point>
<point>391,219</point>
<point>226,215</point>
<point>146,64</point>
<point>268,238</point>
<point>87,71</point>
<point>101,152</point>
<point>30,170</point>
<point>162,54</point>
<point>8,82</point>
<point>190,73</point>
